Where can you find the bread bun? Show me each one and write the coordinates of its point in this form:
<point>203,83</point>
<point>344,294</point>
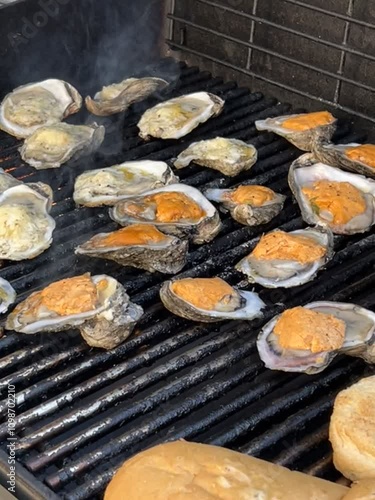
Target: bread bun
<point>190,471</point>
<point>352,430</point>
<point>364,490</point>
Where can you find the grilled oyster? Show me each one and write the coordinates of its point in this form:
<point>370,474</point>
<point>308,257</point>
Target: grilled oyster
<point>285,260</point>
<point>139,245</point>
<point>303,130</point>
<point>176,209</point>
<point>250,204</point>
<point>119,96</point>
<point>179,116</point>
<point>38,104</point>
<point>7,295</point>
<point>358,158</point>
<point>209,300</point>
<point>107,186</point>
<point>50,147</point>
<point>328,196</point>
<point>98,306</point>
<point>306,339</point>
<point>228,156</point>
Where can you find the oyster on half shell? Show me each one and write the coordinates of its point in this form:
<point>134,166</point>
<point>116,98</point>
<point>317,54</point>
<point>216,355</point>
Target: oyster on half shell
<point>7,295</point>
<point>209,300</point>
<point>119,96</point>
<point>177,117</point>
<point>328,196</point>
<point>139,245</point>
<point>358,158</point>
<point>176,209</point>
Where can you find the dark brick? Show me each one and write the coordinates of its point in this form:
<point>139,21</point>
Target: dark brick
<point>364,10</point>
<point>338,6</point>
<point>360,69</point>
<point>362,38</point>
<point>359,100</point>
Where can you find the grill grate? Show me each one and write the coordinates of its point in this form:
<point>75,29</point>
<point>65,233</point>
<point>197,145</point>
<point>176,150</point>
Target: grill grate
<point>82,412</point>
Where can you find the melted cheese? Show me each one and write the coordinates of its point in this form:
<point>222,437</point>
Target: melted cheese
<point>136,234</point>
<point>284,246</point>
<point>337,202</point>
<point>303,329</point>
<point>204,293</point>
<point>364,153</point>
<point>308,121</point>
<point>252,195</point>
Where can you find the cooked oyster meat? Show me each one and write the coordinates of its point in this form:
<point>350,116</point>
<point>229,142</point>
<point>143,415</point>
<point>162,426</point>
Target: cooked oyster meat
<point>97,305</point>
<point>7,295</point>
<point>303,130</point>
<point>119,96</point>
<point>343,201</point>
<point>228,156</point>
<point>107,186</point>
<point>250,205</point>
<point>209,300</point>
<point>306,339</point>
<point>282,259</point>
<point>50,147</point>
<point>176,209</point>
<point>358,158</point>
<point>139,245</point>
<point>36,105</point>
<point>177,117</point>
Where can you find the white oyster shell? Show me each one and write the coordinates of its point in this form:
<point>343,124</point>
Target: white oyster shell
<point>7,295</point>
<point>335,155</point>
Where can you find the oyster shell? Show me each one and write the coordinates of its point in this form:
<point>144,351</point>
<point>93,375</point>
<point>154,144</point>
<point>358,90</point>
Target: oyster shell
<point>177,117</point>
<point>176,209</point>
<point>313,248</point>
<point>250,204</point>
<point>209,300</point>
<point>107,186</point>
<point>50,147</point>
<point>358,158</point>
<point>7,295</point>
<point>350,209</point>
<point>302,130</point>
<point>36,105</point>
<point>119,96</point>
<point>98,306</point>
<point>228,156</point>
<point>141,246</point>
<point>358,340</point>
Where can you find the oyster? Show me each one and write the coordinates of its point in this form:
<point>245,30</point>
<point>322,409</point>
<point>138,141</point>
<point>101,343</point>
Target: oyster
<point>119,96</point>
<point>7,295</point>
<point>139,245</point>
<point>176,209</point>
<point>358,158</point>
<point>38,104</point>
<point>179,116</point>
<point>250,204</point>
<point>98,306</point>
<point>306,339</point>
<point>284,260</point>
<point>25,224</point>
<point>228,156</point>
<point>209,300</point>
<point>107,186</point>
<point>50,147</point>
<point>343,201</point>
<point>303,130</point>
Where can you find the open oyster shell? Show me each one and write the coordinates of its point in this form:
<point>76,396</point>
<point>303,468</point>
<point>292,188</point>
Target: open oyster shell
<point>98,306</point>
<point>221,300</point>
<point>7,295</point>
<point>107,186</point>
<point>305,171</point>
<point>144,210</point>
<point>250,205</point>
<point>358,341</point>
<point>119,96</point>
<point>50,147</point>
<point>38,104</point>
<point>303,130</point>
<point>7,181</point>
<point>141,246</point>
<point>358,158</point>
<point>228,156</point>
<point>177,117</point>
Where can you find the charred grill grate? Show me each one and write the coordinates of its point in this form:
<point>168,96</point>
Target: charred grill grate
<point>82,412</point>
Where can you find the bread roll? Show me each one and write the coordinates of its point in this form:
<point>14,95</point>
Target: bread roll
<point>190,471</point>
<point>364,490</point>
<point>352,430</point>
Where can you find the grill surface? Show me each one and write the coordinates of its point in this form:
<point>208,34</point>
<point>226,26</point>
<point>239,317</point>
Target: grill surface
<point>82,412</point>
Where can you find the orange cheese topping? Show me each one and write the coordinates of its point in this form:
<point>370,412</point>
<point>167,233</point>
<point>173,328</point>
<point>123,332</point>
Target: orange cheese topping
<point>252,195</point>
<point>340,201</point>
<point>136,234</point>
<point>364,153</point>
<point>303,329</point>
<point>308,121</point>
<point>284,246</point>
<point>204,293</point>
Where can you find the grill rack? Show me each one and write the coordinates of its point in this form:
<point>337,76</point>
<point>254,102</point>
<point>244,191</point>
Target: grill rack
<point>82,412</point>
